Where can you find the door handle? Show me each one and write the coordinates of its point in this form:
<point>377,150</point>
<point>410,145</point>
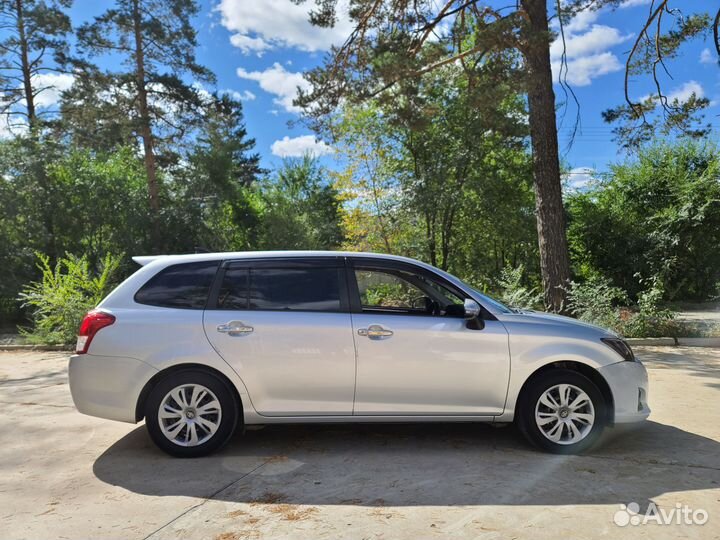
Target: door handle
<point>375,331</point>
<point>235,328</point>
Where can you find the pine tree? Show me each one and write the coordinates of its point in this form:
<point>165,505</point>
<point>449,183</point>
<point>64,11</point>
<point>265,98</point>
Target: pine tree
<point>35,45</point>
<point>156,42</point>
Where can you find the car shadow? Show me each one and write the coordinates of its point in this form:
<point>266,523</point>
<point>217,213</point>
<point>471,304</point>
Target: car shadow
<point>418,464</point>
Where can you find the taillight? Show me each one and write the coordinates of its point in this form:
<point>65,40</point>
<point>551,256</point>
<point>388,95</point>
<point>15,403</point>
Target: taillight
<point>93,321</point>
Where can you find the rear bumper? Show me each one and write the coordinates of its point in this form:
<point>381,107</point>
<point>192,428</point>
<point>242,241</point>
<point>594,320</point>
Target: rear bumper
<point>628,383</point>
<point>107,386</point>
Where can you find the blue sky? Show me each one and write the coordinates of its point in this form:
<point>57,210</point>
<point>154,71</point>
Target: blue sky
<point>259,48</point>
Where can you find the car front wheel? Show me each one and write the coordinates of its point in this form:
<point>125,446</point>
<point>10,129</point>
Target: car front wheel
<point>190,413</point>
<point>562,411</point>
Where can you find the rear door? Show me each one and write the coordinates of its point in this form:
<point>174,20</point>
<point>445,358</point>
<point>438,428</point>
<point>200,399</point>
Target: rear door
<point>284,326</point>
<point>416,354</point>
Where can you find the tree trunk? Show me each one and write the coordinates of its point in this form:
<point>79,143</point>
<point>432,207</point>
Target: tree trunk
<point>554,258</point>
<point>145,127</point>
<point>25,66</point>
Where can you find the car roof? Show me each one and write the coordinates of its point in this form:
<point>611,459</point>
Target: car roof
<point>198,257</point>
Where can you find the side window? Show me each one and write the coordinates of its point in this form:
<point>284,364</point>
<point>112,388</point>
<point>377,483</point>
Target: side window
<point>396,291</point>
<point>233,292</point>
<point>383,290</point>
<point>183,286</point>
<point>280,289</point>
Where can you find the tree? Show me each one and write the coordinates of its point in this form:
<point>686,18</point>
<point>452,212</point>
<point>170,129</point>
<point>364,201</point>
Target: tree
<point>223,172</point>
<point>383,50</point>
<point>35,30</point>
<point>156,41</point>
<point>301,208</point>
<point>428,171</point>
<point>657,216</point>
<point>663,33</point>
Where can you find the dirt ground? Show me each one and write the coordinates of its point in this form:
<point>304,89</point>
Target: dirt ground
<point>65,475</point>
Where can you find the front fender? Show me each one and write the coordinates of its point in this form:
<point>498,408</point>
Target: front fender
<point>531,355</point>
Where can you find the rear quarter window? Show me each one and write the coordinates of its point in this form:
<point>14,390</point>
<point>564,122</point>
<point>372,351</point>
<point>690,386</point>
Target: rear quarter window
<point>184,286</point>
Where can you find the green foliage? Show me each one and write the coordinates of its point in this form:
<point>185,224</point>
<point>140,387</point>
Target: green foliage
<point>514,293</point>
<point>595,301</point>
<point>666,30</point>
<point>34,36</point>
<point>656,215</point>
<point>441,173</point>
<point>598,302</point>
<point>218,191</point>
<point>650,319</point>
<point>387,294</point>
<point>301,209</point>
<point>64,293</point>
<point>101,203</point>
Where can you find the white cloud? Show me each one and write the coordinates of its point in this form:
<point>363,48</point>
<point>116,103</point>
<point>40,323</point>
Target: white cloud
<point>581,71</point>
<point>598,39</point>
<point>245,95</point>
<point>582,20</point>
<point>12,126</point>
<point>278,81</point>
<point>266,24</point>
<point>249,44</point>
<point>683,92</point>
<point>634,3</point>
<point>300,146</point>
<point>579,178</point>
<point>50,87</point>
<point>587,49</point>
<point>707,57</point>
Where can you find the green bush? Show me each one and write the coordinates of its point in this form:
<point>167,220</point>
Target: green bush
<point>650,320</point>
<point>658,214</point>
<point>595,301</point>
<point>514,293</point>
<point>598,302</point>
<point>65,292</point>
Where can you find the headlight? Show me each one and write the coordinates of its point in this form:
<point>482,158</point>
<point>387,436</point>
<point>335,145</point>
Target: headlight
<point>620,346</point>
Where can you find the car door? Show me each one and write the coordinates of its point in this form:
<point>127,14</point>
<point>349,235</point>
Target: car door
<point>416,354</point>
<point>284,326</point>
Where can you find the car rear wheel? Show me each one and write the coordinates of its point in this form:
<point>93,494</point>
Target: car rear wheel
<point>562,411</point>
<point>191,413</point>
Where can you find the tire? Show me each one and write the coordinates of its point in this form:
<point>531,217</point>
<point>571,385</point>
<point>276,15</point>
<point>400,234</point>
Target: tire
<point>579,427</point>
<point>191,413</point>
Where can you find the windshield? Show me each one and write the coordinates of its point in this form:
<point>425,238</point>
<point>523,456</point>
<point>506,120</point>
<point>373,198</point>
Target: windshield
<point>486,300</point>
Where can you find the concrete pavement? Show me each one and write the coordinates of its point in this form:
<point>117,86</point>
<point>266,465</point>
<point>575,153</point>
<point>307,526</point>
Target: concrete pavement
<point>65,475</point>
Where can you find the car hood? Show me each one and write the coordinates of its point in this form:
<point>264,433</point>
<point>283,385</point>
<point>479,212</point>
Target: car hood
<point>540,317</point>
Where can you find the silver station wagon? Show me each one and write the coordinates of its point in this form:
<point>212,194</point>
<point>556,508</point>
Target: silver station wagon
<point>199,345</point>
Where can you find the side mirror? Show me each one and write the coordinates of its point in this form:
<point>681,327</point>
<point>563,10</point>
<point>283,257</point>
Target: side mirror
<point>472,309</point>
<point>472,315</point>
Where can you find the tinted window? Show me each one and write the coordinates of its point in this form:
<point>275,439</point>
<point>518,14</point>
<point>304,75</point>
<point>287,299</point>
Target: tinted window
<point>179,286</point>
<point>397,291</point>
<point>301,289</point>
<point>380,289</point>
<point>233,292</point>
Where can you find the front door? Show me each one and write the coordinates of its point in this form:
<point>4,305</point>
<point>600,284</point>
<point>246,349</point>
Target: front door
<point>416,354</point>
<point>284,326</point>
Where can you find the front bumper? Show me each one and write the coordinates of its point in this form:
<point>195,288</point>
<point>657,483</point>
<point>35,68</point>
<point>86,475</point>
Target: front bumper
<point>628,383</point>
<point>107,386</point>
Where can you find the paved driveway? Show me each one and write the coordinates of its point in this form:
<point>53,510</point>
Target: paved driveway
<point>65,475</point>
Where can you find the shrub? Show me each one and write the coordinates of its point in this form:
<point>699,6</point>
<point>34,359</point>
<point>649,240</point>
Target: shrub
<point>62,296</point>
<point>650,320</point>
<point>514,293</point>
<point>598,302</point>
<point>595,301</point>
